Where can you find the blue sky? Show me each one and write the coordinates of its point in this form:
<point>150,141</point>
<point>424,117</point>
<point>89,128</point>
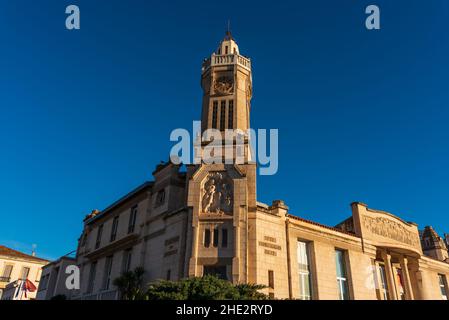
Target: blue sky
<point>86,115</point>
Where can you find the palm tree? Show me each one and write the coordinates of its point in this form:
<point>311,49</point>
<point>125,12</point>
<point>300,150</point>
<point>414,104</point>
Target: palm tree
<point>129,284</point>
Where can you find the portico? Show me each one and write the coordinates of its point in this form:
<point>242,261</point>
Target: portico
<point>393,276</point>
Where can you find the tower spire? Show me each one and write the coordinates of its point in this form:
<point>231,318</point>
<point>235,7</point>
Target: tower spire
<point>228,30</point>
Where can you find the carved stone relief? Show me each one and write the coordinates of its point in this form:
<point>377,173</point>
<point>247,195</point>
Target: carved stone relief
<point>217,194</point>
<point>390,229</point>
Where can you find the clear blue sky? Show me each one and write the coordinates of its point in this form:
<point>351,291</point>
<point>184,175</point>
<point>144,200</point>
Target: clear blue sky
<point>86,115</point>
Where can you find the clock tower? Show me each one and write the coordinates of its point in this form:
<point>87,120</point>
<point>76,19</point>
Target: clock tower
<point>222,194</point>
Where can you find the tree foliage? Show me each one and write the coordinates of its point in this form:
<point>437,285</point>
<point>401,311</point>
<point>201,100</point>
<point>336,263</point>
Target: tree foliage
<point>208,287</point>
<point>129,284</point>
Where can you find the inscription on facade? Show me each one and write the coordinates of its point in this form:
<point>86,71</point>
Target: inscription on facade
<point>390,229</point>
<point>270,252</point>
<point>269,245</point>
<point>269,239</point>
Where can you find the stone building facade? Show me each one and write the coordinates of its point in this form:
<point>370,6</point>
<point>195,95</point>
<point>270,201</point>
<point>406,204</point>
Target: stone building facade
<point>15,268</point>
<point>206,220</point>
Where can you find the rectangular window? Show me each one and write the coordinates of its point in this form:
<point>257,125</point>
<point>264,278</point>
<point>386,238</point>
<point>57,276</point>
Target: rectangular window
<point>271,279</point>
<point>6,275</point>
<point>224,238</point>
<point>207,238</point>
<point>43,283</point>
<point>342,279</point>
<point>127,257</point>
<point>84,240</point>
<point>160,198</point>
<point>383,282</point>
<point>215,244</point>
<point>114,228</point>
<point>107,273</point>
<point>231,115</point>
<point>304,271</point>
<point>443,286</point>
<point>92,271</point>
<point>132,219</point>
<point>24,274</point>
<point>215,115</point>
<point>168,274</point>
<point>223,115</point>
<point>99,234</point>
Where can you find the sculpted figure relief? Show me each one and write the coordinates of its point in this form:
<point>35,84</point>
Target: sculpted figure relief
<point>390,229</point>
<point>217,194</point>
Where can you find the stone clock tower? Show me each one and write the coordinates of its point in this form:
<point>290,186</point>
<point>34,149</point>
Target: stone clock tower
<point>222,195</point>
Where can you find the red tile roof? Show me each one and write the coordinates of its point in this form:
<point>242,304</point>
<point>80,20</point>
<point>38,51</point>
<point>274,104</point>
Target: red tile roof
<point>5,251</point>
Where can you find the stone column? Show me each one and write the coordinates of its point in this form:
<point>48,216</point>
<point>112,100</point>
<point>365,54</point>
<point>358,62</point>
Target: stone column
<point>406,277</point>
<point>390,276</point>
<point>236,259</point>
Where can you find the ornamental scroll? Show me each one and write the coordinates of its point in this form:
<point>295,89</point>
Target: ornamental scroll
<point>216,196</point>
<point>390,229</point>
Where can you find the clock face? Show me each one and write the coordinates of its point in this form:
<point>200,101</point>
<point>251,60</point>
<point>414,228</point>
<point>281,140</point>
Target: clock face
<point>223,86</point>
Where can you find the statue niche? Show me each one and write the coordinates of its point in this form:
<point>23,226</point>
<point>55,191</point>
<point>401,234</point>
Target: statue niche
<point>217,194</point>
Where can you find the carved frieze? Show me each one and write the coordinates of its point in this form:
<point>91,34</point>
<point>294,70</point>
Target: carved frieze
<point>390,229</point>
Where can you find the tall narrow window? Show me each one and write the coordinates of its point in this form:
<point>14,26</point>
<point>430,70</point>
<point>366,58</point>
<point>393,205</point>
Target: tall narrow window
<point>271,279</point>
<point>127,257</point>
<point>160,198</point>
<point>304,271</point>
<point>84,239</point>
<point>168,274</point>
<point>226,50</point>
<point>342,279</point>
<point>223,115</point>
<point>25,273</point>
<point>224,238</point>
<point>231,115</point>
<point>383,282</point>
<point>92,271</point>
<point>132,219</point>
<point>114,228</point>
<point>99,234</point>
<point>207,238</point>
<point>214,115</point>
<point>443,286</point>
<point>6,275</point>
<point>215,244</point>
<point>107,272</point>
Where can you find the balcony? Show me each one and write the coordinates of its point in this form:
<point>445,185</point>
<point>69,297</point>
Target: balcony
<point>5,279</point>
<point>223,60</point>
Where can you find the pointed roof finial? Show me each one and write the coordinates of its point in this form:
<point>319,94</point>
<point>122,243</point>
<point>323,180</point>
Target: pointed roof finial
<point>228,30</point>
